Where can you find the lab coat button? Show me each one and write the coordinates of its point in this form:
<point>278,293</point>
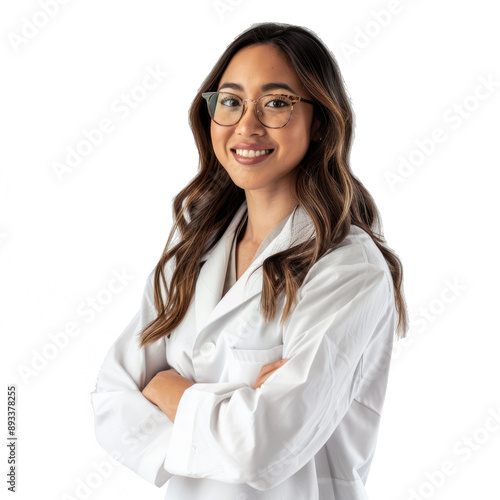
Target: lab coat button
<point>207,349</point>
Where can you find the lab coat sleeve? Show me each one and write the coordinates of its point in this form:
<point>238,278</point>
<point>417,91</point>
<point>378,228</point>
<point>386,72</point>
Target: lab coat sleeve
<point>261,437</point>
<point>128,426</point>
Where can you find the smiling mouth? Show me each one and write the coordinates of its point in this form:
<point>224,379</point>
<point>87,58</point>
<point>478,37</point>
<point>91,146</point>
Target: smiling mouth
<point>252,153</point>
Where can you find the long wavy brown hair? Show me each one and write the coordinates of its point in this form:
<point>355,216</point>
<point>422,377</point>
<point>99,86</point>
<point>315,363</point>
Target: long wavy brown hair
<point>325,187</point>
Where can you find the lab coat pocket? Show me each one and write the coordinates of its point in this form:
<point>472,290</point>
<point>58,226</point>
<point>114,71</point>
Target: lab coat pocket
<point>244,364</point>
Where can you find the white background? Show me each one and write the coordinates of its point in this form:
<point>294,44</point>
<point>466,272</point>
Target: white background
<point>408,73</point>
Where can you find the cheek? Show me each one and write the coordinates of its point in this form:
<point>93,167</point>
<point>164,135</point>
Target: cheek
<point>298,134</point>
<point>218,136</point>
<point>295,143</point>
<point>213,136</point>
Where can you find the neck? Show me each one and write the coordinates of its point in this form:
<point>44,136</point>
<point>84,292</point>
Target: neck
<point>263,216</point>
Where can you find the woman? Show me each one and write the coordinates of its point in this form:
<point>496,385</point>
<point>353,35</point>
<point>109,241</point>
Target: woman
<point>257,364</point>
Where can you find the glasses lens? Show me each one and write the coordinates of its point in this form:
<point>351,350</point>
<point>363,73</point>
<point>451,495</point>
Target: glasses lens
<point>273,111</point>
<point>225,109</point>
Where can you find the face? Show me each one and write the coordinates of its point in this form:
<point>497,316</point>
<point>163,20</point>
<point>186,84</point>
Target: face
<point>248,71</point>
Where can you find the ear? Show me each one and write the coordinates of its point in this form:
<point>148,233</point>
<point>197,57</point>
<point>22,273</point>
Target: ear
<point>316,127</point>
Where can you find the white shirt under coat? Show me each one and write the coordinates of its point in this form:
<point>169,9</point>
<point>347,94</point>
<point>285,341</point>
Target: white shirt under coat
<point>310,431</point>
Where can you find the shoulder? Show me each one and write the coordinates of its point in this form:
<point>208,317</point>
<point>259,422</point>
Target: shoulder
<point>357,256</point>
<point>358,246</point>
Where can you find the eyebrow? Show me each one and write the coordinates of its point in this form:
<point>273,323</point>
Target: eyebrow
<point>265,88</point>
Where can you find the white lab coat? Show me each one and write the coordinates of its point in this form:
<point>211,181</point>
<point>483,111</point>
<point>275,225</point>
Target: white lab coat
<point>310,431</point>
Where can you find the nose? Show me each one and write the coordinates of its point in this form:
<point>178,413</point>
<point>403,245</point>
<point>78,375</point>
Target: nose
<point>249,124</point>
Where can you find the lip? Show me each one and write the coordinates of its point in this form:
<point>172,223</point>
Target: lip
<point>251,161</point>
<point>248,145</point>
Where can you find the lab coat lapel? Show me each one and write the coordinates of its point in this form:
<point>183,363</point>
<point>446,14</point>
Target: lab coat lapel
<point>212,275</point>
<point>208,303</point>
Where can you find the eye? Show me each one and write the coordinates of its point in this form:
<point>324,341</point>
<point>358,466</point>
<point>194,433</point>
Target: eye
<point>229,101</point>
<point>278,102</point>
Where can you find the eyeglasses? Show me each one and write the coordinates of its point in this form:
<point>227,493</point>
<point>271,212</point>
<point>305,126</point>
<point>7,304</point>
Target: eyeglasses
<point>272,110</point>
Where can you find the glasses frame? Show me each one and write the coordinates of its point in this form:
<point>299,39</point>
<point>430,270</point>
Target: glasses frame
<point>293,98</point>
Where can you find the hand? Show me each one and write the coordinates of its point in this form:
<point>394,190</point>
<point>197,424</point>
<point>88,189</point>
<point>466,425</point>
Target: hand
<point>267,370</point>
<point>151,391</point>
<point>165,390</point>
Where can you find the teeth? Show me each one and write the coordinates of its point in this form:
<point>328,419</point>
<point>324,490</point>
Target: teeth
<point>250,153</point>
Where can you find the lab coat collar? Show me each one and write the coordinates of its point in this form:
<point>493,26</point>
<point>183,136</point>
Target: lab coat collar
<point>208,303</point>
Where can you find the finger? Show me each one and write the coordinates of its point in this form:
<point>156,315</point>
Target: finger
<point>273,366</point>
<point>270,367</point>
<point>265,374</point>
<point>262,378</point>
